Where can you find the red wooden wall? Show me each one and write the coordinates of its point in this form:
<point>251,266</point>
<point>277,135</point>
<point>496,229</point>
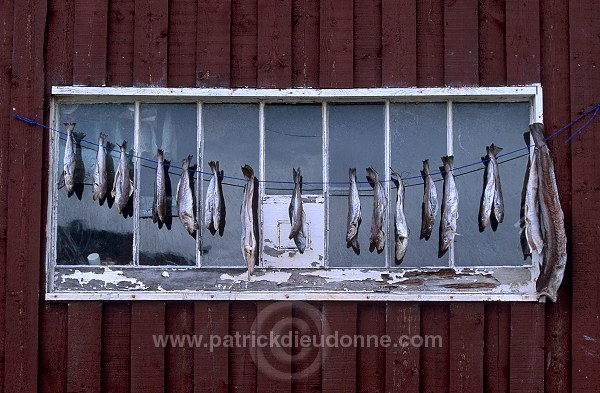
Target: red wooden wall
<point>93,347</point>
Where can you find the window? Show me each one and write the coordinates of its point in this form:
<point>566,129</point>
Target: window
<point>94,252</point>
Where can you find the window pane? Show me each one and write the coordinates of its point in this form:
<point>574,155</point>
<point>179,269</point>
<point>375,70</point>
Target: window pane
<point>293,138</point>
<point>418,132</point>
<point>356,139</point>
<point>171,128</point>
<point>231,136</point>
<point>85,227</point>
<point>477,125</point>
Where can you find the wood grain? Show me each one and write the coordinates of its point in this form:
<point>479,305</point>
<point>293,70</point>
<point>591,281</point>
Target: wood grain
<point>367,43</point>
<point>89,42</point>
<point>120,47</point>
<point>403,369</point>
<point>339,361</point>
<point>461,45</point>
<point>244,26</point>
<point>274,67</point>
<point>84,347</point>
<point>399,43</point>
<point>336,49</point>
<point>305,43</point>
<point>151,43</point>
<point>181,60</point>
<point>211,372</point>
<point>147,359</point>
<point>116,347</point>
<point>213,43</point>
<point>466,347</point>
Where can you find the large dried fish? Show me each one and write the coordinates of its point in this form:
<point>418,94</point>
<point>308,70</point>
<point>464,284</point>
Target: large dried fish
<point>491,197</point>
<point>380,201</point>
<point>122,186</point>
<point>531,208</point>
<point>400,227</point>
<point>354,217</point>
<point>249,236</point>
<point>214,205</point>
<point>70,158</point>
<point>555,238</point>
<point>430,203</point>
<point>185,199</point>
<point>449,218</point>
<point>297,215</point>
<point>159,206</point>
<point>498,198</point>
<point>100,181</point>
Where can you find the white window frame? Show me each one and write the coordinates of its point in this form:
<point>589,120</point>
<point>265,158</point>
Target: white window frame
<point>135,282</point>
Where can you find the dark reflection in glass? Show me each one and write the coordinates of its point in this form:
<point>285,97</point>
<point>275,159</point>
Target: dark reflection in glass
<point>171,128</point>
<point>231,136</point>
<point>86,227</point>
<point>417,133</point>
<point>293,139</point>
<point>356,139</point>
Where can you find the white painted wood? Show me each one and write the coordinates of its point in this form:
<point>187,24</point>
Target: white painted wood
<point>325,130</point>
<point>387,186</point>
<point>199,182</point>
<point>136,180</point>
<point>51,227</point>
<point>261,175</point>
<point>450,152</point>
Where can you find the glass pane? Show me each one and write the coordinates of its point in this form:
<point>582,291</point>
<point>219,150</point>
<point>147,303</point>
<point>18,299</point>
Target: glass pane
<point>85,227</point>
<point>477,125</point>
<point>356,140</point>
<point>231,136</point>
<point>293,138</point>
<point>418,132</point>
<point>171,128</point>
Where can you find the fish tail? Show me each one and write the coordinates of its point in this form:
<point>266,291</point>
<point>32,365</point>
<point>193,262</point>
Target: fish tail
<point>396,178</point>
<point>297,175</point>
<point>372,176</point>
<point>494,150</point>
<point>109,146</point>
<point>160,154</point>
<point>448,160</point>
<point>248,172</point>
<point>213,166</point>
<point>79,135</point>
<point>101,138</point>
<point>426,167</point>
<point>123,146</point>
<point>70,126</point>
<point>352,173</point>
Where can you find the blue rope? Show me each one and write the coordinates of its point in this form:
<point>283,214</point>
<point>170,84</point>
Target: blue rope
<point>594,109</point>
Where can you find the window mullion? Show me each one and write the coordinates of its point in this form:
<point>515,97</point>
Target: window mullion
<point>325,121</point>
<point>261,176</point>
<point>136,176</point>
<point>450,152</point>
<point>388,163</point>
<point>199,181</point>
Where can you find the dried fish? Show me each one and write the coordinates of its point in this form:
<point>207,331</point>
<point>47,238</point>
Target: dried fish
<point>159,206</point>
<point>401,231</point>
<point>70,159</point>
<point>122,186</point>
<point>498,198</point>
<point>354,216</point>
<point>430,203</point>
<point>449,219</point>
<point>214,206</point>
<point>380,201</point>
<point>531,208</point>
<point>185,199</point>
<point>249,235</point>
<point>100,181</point>
<point>297,215</point>
<point>555,238</point>
<point>491,197</point>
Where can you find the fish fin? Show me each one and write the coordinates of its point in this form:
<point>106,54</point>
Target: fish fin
<point>61,180</point>
<point>248,172</point>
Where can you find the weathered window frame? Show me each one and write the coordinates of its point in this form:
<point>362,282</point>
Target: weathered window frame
<point>497,283</point>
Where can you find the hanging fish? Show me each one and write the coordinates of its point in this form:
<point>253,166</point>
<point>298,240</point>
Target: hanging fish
<point>214,208</point>
<point>354,217</point>
<point>159,206</point>
<point>498,198</point>
<point>430,203</point>
<point>70,159</point>
<point>122,186</point>
<point>449,207</point>
<point>185,199</point>
<point>249,235</point>
<point>533,229</point>
<point>100,181</point>
<point>380,201</point>
<point>489,189</point>
<point>296,212</point>
<point>401,231</point>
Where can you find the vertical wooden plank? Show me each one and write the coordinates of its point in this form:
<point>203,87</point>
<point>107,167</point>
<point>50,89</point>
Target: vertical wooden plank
<point>150,43</point>
<point>24,208</point>
<point>274,44</point>
<point>89,42</point>
<point>59,42</point>
<point>181,61</point>
<point>147,359</point>
<point>336,50</point>
<point>274,361</point>
<point>213,43</point>
<point>179,360</point>
<point>435,321</point>
<point>83,347</point>
<point>402,362</point>
<point>307,360</point>
<point>496,351</point>
<point>554,24</point>
<point>370,354</point>
<point>305,43</point>
<point>211,373</point>
<point>492,44</point>
<point>116,347</point>
<point>466,347</point>
<point>367,43</point>
<point>399,43</point>
<point>120,42</point>
<point>339,361</point>
<point>53,349</point>
<point>461,46</point>
<point>584,86</point>
<point>527,348</point>
<point>242,368</point>
<point>430,43</point>
<point>522,41</point>
<point>244,25</point>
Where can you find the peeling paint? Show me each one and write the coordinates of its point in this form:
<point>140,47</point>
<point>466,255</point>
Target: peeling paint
<point>108,276</point>
<point>277,277</point>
